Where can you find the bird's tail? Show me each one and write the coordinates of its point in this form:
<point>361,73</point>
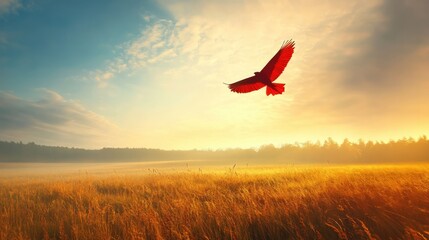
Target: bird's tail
<point>276,88</point>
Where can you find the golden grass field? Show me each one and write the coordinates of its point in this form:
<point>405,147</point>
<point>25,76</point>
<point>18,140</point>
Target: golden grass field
<point>301,202</point>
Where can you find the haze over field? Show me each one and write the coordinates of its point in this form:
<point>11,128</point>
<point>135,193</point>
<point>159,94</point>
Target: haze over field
<point>149,73</point>
<point>347,153</point>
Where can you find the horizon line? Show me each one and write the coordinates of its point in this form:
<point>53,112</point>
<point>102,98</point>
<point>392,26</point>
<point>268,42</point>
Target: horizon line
<point>300,144</point>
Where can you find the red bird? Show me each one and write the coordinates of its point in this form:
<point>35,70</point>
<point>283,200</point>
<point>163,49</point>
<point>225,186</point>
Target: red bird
<point>268,74</point>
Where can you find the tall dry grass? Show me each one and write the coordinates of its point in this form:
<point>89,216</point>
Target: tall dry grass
<point>372,202</point>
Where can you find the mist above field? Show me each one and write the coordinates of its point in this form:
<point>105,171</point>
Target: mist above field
<point>400,151</point>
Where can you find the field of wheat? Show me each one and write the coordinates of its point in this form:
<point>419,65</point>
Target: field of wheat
<point>311,202</point>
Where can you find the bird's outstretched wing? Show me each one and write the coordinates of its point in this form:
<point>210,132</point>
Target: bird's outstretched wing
<point>246,85</point>
<point>277,64</point>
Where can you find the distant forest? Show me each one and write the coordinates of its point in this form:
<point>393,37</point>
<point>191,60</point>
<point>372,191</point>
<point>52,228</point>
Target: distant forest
<point>403,150</point>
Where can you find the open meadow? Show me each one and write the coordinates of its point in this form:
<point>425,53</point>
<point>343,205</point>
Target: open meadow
<point>237,202</point>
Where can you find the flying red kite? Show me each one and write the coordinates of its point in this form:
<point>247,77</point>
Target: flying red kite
<point>268,74</point>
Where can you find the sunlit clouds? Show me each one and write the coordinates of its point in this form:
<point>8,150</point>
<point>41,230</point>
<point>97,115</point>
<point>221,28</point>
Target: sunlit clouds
<point>53,120</point>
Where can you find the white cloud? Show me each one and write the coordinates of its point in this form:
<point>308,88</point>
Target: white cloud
<point>53,120</point>
<point>151,45</point>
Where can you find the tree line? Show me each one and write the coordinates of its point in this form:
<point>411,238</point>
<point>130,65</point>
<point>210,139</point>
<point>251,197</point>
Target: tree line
<point>347,152</point>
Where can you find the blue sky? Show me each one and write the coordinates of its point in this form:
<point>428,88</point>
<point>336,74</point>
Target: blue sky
<point>150,73</point>
<point>49,42</point>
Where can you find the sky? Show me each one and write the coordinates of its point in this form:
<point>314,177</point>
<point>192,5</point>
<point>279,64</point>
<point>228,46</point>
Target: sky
<point>150,74</point>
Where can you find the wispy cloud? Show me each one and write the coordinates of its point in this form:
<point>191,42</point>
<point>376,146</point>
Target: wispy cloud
<point>102,77</point>
<point>52,119</point>
<point>153,44</point>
